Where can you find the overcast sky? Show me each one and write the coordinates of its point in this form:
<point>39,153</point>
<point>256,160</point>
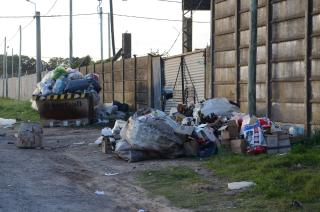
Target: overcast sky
<point>147,35</point>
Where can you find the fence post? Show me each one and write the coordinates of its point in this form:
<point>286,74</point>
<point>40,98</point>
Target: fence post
<point>123,81</point>
<point>237,52</point>
<point>307,60</point>
<point>212,45</point>
<point>252,59</point>
<point>269,9</point>
<point>135,82</point>
<point>182,78</point>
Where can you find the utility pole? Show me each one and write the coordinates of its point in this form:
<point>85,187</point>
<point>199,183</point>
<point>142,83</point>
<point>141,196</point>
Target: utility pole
<point>109,37</point>
<point>38,35</point>
<point>252,59</point>
<point>112,29</point>
<point>70,36</point>
<point>101,30</point>
<point>19,71</point>
<point>4,65</point>
<point>7,74</point>
<point>11,62</point>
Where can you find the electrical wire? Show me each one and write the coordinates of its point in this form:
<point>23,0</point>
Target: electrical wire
<point>53,5</point>
<point>175,41</point>
<point>90,14</point>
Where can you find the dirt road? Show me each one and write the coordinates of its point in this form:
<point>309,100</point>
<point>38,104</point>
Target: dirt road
<point>66,173</point>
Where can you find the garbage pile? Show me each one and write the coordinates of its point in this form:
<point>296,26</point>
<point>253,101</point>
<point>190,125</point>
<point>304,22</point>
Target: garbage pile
<point>111,111</point>
<point>194,130</point>
<point>60,81</point>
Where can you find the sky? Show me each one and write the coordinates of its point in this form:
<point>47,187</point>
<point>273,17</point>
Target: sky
<point>147,35</point>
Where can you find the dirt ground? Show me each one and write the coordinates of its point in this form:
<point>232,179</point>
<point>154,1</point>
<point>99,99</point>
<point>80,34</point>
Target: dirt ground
<point>66,173</point>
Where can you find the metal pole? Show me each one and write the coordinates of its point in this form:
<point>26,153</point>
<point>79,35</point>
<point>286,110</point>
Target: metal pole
<point>112,29</point>
<point>4,65</point>
<point>38,34</point>
<point>212,45</point>
<point>109,37</point>
<point>252,59</point>
<point>19,71</point>
<point>101,33</point>
<point>11,62</point>
<point>70,36</point>
<point>6,74</point>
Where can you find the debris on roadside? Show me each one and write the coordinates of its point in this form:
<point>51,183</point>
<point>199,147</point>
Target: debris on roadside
<point>192,131</point>
<point>99,193</point>
<point>30,136</point>
<point>111,174</point>
<point>240,185</point>
<point>7,122</point>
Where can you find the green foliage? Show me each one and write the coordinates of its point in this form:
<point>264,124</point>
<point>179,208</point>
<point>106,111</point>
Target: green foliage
<point>279,178</point>
<point>22,111</point>
<point>177,184</point>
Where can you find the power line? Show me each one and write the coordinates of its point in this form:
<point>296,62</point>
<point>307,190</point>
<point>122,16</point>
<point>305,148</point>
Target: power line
<point>53,5</point>
<point>174,42</point>
<point>90,14</point>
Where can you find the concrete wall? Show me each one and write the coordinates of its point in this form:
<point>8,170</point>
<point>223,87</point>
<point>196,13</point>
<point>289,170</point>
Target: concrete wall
<point>288,58</point>
<point>28,84</point>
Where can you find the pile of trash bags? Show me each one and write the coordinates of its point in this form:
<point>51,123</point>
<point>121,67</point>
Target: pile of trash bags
<point>60,81</point>
<point>111,111</point>
<point>190,130</point>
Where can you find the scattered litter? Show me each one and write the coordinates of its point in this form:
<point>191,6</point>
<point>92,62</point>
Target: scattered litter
<point>106,132</point>
<point>110,174</point>
<point>97,192</point>
<point>79,143</point>
<point>7,122</point>
<point>296,203</point>
<point>99,140</point>
<point>240,185</point>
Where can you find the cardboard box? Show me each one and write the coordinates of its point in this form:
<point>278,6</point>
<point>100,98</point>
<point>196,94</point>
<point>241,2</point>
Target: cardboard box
<point>238,146</point>
<point>278,143</point>
<point>229,131</point>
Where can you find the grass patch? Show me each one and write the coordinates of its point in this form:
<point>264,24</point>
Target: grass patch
<point>181,185</point>
<point>19,110</point>
<point>280,179</point>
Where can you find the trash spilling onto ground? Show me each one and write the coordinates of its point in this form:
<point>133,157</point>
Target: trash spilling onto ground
<point>193,131</point>
<point>7,122</point>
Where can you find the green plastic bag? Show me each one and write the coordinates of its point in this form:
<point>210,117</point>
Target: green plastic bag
<point>58,72</point>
